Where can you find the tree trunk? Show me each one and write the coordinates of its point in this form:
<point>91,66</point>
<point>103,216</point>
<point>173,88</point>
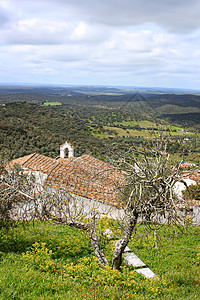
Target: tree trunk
<point>90,228</point>
<point>93,239</point>
<point>122,243</point>
<point>96,247</point>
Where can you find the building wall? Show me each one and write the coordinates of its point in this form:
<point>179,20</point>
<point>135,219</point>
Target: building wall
<point>82,206</point>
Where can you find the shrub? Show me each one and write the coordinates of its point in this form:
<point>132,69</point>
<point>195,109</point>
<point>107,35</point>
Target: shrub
<point>40,257</point>
<point>198,255</point>
<point>193,192</point>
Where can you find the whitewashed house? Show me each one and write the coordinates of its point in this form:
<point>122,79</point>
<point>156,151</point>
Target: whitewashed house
<point>88,179</point>
<point>93,183</point>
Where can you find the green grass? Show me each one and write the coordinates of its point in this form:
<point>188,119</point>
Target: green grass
<point>52,103</point>
<point>127,132</point>
<point>142,123</point>
<point>50,261</point>
<point>147,129</point>
<point>133,132</point>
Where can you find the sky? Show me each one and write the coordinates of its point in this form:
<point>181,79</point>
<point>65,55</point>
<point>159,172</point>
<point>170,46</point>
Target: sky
<point>146,43</point>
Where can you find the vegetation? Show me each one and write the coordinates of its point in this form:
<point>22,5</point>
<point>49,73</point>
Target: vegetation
<point>55,262</point>
<point>192,192</point>
<point>52,103</point>
<point>47,261</point>
<point>28,127</point>
<point>39,119</point>
<point>145,193</point>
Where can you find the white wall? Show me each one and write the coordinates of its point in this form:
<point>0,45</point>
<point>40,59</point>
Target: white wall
<point>179,186</point>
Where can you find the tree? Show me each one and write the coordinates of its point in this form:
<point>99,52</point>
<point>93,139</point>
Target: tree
<point>146,195</point>
<point>17,195</point>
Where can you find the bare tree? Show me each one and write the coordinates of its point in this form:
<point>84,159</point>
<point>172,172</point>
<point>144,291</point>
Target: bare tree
<point>147,195</point>
<point>17,195</point>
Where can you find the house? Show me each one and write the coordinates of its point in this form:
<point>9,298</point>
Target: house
<point>88,179</point>
<point>84,177</point>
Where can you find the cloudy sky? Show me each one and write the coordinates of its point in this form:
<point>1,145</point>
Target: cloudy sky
<point>101,42</point>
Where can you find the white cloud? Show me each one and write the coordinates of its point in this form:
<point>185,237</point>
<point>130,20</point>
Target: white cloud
<point>103,41</point>
<point>45,32</point>
<point>91,33</point>
<point>179,15</point>
<point>36,32</point>
<point>176,16</point>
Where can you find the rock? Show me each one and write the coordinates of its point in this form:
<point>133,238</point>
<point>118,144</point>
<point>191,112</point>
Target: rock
<point>127,249</point>
<point>146,272</point>
<point>132,260</point>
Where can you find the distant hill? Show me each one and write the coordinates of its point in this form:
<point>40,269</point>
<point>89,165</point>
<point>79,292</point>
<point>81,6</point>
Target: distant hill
<point>173,105</point>
<point>185,100</point>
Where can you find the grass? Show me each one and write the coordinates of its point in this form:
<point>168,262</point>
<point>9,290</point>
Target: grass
<point>142,133</point>
<point>147,129</point>
<point>52,103</point>
<point>50,261</point>
<point>127,132</point>
<point>142,123</point>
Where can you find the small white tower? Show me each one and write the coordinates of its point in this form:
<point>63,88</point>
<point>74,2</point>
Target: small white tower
<point>70,149</point>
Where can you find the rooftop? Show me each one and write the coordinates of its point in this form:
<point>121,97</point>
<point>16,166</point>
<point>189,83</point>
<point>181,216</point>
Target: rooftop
<point>85,175</point>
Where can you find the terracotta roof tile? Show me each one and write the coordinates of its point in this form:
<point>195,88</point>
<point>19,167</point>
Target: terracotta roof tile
<point>189,204</point>
<point>20,161</point>
<point>89,177</point>
<point>39,162</point>
<point>85,175</point>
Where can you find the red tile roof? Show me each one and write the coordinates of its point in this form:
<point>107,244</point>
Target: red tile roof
<point>86,176</point>
<point>20,160</point>
<point>196,176</point>
<point>35,162</point>
<point>188,205</point>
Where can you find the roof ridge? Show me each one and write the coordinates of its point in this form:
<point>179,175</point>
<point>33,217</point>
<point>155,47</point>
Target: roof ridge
<point>29,158</point>
<point>58,163</point>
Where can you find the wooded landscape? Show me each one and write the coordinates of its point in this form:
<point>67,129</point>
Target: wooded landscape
<point>35,122</point>
<point>146,136</point>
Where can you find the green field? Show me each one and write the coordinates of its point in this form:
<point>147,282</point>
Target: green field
<point>52,103</point>
<point>145,129</point>
<point>47,261</point>
<point>128,132</point>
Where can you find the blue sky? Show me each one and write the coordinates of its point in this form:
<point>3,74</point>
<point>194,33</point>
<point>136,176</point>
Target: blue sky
<point>107,42</point>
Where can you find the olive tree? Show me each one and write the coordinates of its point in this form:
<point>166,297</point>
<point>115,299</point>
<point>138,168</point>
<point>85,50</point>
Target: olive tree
<point>148,193</point>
